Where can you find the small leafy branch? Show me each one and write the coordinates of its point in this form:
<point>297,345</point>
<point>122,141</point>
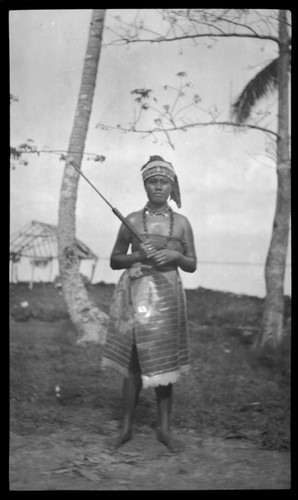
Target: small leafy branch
<point>13,98</point>
<point>19,154</point>
<point>182,112</point>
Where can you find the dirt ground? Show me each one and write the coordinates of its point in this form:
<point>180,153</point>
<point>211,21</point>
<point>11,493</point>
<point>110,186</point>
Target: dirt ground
<point>232,413</point>
<point>72,460</point>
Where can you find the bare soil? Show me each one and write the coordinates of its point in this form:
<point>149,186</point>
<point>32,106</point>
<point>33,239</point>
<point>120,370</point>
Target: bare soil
<point>232,412</point>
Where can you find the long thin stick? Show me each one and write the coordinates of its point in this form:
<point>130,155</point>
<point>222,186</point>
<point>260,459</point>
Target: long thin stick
<point>114,210</point>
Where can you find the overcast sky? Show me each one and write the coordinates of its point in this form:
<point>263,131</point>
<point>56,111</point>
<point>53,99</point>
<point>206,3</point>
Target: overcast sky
<point>227,181</point>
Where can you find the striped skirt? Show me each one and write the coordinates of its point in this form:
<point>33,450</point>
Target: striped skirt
<point>148,309</point>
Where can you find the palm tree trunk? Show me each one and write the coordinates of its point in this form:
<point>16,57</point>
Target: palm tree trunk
<point>273,314</point>
<point>89,321</point>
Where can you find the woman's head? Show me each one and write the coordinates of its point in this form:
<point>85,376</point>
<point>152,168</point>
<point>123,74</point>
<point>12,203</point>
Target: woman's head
<point>159,175</point>
<point>158,189</point>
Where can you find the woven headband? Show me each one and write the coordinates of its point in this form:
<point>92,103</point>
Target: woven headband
<point>159,167</point>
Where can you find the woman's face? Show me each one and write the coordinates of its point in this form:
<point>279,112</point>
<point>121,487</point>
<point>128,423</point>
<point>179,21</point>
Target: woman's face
<point>158,189</point>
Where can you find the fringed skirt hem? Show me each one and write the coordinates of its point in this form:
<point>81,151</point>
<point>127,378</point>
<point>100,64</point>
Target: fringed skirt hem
<point>163,378</point>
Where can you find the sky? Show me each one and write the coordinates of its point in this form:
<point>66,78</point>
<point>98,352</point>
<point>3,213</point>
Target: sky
<point>227,179</point>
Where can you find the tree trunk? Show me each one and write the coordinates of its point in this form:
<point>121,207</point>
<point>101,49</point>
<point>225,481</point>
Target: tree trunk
<point>273,314</point>
<point>89,321</point>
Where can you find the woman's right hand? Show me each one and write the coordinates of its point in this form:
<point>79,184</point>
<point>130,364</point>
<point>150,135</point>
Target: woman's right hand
<point>147,250</point>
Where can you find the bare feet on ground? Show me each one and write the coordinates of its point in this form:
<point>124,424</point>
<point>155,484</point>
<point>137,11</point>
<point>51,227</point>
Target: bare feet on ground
<point>172,443</point>
<point>122,438</point>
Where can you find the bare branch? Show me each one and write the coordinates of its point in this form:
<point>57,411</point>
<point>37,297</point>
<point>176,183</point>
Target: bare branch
<point>192,24</point>
<point>195,36</point>
<point>192,125</point>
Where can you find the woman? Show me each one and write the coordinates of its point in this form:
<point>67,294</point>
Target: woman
<point>147,336</point>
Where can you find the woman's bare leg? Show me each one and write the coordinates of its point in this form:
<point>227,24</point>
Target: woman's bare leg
<point>131,389</point>
<point>164,397</point>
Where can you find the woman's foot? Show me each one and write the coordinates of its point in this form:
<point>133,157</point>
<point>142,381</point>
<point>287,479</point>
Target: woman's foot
<point>122,438</point>
<point>172,443</point>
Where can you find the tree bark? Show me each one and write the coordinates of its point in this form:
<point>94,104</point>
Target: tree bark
<point>273,314</point>
<point>89,321</point>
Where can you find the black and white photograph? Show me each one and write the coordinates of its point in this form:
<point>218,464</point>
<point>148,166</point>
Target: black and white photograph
<point>150,249</point>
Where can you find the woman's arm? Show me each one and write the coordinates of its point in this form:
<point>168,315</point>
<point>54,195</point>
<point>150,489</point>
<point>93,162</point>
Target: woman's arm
<point>119,257</point>
<point>188,261</point>
<point>187,264</point>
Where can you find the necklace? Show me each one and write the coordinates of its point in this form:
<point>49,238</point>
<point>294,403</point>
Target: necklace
<point>171,230</point>
<point>163,214</point>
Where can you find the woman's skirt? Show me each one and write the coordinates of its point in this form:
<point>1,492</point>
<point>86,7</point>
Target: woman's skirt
<point>148,309</point>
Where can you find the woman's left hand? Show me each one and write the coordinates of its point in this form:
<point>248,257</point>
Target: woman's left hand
<point>165,256</point>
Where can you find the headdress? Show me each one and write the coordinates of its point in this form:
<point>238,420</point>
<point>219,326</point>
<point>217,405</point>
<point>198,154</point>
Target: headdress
<point>158,166</point>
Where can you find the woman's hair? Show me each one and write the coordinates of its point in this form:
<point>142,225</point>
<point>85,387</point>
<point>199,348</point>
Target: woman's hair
<point>153,158</point>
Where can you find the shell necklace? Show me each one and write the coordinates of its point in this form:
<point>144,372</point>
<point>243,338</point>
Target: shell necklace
<point>163,214</point>
<point>171,229</point>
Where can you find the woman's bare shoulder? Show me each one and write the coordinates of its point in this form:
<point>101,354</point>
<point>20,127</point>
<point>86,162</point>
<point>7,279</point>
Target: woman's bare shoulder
<point>134,216</point>
<point>181,219</point>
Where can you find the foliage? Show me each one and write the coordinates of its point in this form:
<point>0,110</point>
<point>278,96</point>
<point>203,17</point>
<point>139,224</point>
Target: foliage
<point>19,154</point>
<point>196,26</point>
<point>183,110</point>
<point>258,87</point>
<point>13,98</point>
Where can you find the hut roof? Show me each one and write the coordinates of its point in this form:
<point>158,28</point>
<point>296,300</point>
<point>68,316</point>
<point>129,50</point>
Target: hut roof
<point>38,240</point>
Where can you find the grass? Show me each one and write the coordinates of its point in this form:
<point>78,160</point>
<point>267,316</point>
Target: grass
<point>230,392</point>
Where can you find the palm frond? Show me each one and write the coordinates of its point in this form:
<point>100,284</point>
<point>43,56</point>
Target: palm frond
<point>263,82</point>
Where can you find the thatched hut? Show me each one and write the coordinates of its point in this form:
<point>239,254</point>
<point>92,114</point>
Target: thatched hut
<point>36,244</point>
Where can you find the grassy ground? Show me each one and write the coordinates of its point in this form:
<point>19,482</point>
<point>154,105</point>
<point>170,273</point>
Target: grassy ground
<point>231,392</point>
